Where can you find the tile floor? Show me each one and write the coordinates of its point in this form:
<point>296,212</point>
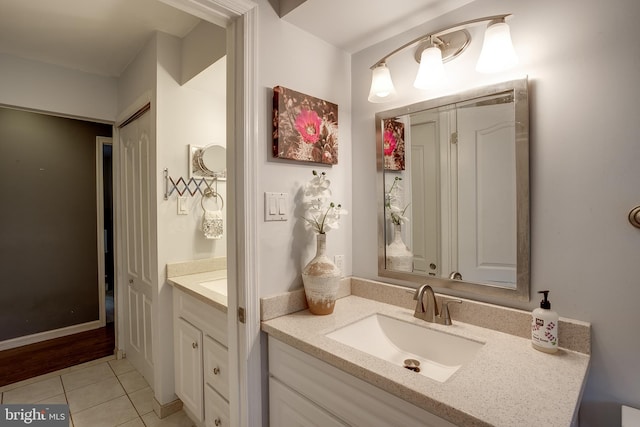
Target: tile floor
<point>103,393</point>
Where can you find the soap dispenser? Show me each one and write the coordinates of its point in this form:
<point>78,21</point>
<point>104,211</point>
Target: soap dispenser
<point>544,326</point>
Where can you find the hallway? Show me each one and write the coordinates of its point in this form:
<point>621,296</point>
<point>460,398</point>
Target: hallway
<point>102,393</point>
<point>40,358</point>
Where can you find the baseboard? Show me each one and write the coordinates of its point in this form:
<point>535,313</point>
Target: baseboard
<point>167,409</point>
<point>47,335</point>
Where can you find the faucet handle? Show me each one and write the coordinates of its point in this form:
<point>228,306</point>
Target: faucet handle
<point>445,310</point>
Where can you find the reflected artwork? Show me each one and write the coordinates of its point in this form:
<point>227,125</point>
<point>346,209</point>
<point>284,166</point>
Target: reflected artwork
<point>393,140</point>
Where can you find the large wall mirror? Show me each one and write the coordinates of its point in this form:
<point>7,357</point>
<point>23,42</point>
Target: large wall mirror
<point>453,188</point>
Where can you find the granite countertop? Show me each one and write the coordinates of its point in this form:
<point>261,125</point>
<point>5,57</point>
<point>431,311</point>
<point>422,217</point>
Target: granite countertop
<point>192,284</point>
<point>508,383</point>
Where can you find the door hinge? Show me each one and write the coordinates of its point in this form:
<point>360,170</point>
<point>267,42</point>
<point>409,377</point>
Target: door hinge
<point>241,314</point>
<point>454,138</point>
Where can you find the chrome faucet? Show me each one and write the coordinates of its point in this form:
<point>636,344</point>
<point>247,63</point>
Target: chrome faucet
<point>428,310</point>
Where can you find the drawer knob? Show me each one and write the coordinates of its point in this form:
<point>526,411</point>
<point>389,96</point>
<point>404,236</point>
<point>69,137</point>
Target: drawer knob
<point>216,370</point>
<point>194,345</point>
<point>217,422</point>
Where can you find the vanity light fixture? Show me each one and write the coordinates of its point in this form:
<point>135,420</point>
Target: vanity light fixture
<point>434,49</point>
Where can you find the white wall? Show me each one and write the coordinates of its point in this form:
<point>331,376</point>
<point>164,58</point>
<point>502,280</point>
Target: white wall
<point>50,88</point>
<point>299,61</point>
<point>583,64</point>
<point>185,115</point>
<point>197,50</point>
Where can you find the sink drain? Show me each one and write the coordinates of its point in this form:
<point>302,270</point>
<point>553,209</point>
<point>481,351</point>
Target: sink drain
<point>412,365</point>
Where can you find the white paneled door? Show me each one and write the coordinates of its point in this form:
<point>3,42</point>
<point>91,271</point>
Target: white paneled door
<point>425,194</point>
<point>138,245</point>
<point>487,194</point>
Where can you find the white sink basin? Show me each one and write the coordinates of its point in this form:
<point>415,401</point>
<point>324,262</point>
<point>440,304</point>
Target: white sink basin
<point>218,285</point>
<point>440,354</point>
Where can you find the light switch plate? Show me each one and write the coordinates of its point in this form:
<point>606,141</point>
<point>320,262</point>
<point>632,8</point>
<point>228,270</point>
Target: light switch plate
<point>276,206</point>
<point>183,205</point>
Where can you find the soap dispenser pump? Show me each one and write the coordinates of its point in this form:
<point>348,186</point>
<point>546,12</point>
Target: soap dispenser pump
<point>544,326</point>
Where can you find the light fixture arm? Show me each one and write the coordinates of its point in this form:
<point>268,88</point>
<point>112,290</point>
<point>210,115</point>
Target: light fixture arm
<point>435,34</point>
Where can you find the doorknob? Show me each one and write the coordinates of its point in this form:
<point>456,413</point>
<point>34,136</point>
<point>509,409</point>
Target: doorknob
<point>194,345</point>
<point>634,217</point>
<point>216,370</point>
<point>131,281</point>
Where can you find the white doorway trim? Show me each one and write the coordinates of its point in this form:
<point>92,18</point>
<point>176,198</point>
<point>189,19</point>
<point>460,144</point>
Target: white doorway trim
<point>239,17</point>
<point>101,141</point>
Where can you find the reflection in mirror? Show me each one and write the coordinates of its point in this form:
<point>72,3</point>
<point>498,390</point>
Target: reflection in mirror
<point>209,161</point>
<point>454,180</point>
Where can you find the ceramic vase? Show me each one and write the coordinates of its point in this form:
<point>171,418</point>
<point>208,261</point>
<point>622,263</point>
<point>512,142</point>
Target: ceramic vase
<point>399,257</point>
<point>321,278</point>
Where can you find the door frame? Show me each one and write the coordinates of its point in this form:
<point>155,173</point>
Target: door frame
<point>101,141</point>
<point>240,18</point>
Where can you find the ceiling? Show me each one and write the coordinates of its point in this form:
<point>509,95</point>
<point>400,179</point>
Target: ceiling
<point>96,36</point>
<point>353,25</point>
<point>103,36</point>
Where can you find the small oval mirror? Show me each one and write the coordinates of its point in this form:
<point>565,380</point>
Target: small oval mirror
<point>209,161</point>
<point>213,159</point>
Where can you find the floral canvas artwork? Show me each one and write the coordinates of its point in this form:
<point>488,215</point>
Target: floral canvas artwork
<point>304,128</point>
<point>393,145</point>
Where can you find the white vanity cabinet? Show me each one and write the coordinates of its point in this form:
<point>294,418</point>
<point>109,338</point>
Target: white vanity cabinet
<point>201,359</point>
<point>304,391</point>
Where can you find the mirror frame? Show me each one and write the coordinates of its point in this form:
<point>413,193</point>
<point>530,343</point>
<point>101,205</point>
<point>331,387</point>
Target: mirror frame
<point>521,99</point>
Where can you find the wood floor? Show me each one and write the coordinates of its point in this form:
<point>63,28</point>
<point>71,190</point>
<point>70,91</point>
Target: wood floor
<point>29,361</point>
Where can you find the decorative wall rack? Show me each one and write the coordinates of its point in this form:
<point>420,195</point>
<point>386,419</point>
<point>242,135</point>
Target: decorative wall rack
<point>206,186</point>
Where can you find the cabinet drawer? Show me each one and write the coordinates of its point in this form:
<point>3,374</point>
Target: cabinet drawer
<point>203,316</point>
<point>216,366</point>
<point>216,409</point>
<point>288,408</point>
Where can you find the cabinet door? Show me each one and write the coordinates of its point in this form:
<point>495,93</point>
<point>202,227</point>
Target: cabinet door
<point>188,366</point>
<point>288,408</point>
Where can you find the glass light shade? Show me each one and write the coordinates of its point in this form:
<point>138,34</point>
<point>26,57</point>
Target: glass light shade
<point>497,50</point>
<point>431,71</point>
<point>382,89</point>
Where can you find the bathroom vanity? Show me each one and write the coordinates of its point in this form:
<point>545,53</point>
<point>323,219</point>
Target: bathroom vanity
<point>324,379</point>
<point>201,359</point>
<point>303,390</point>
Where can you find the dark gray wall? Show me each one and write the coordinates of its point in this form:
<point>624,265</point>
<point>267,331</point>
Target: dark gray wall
<point>48,224</point>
